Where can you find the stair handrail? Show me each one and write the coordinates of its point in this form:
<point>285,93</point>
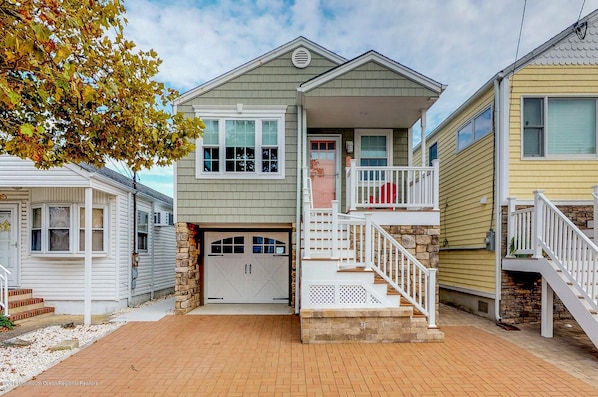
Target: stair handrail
<point>383,254</point>
<point>4,273</point>
<point>569,248</point>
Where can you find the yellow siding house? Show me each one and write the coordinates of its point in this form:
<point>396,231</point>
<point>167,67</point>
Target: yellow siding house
<point>518,163</point>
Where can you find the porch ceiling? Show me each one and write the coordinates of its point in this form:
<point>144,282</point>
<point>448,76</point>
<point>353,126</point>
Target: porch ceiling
<point>364,112</point>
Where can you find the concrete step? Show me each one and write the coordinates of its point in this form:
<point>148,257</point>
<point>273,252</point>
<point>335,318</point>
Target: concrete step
<point>24,305</point>
<point>19,294</point>
<point>22,316</point>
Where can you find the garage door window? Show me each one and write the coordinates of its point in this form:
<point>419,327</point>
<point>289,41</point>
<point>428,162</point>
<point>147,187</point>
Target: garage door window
<point>231,245</point>
<point>265,245</point>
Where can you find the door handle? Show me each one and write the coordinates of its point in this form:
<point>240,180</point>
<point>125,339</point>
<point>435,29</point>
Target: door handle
<point>250,268</point>
<point>15,244</point>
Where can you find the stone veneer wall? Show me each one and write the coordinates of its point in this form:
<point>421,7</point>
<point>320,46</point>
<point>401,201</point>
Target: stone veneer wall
<point>187,286</point>
<point>366,325</point>
<point>522,291</point>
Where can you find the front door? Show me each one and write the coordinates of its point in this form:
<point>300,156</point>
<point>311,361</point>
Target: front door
<point>9,241</point>
<point>324,166</point>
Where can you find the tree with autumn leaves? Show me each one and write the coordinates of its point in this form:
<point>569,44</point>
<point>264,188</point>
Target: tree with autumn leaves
<point>73,89</point>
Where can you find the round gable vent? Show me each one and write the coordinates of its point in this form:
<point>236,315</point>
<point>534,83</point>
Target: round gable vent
<point>301,57</point>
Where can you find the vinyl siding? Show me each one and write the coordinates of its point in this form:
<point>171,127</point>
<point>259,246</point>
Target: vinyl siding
<point>474,270</point>
<point>371,80</point>
<point>465,177</point>
<point>560,179</point>
<point>18,172</point>
<point>248,201</point>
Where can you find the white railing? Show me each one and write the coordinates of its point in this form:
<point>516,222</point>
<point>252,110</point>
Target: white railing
<point>359,242</point>
<point>392,187</point>
<point>568,247</point>
<point>4,272</point>
<point>520,225</point>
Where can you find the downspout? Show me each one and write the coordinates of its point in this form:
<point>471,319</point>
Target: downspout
<point>298,208</point>
<point>498,132</point>
<point>134,254</point>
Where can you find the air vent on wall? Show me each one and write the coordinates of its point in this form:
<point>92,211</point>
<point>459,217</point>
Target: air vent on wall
<point>301,57</point>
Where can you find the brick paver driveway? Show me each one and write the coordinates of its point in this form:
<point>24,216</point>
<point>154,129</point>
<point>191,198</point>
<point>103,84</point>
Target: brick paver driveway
<point>263,356</point>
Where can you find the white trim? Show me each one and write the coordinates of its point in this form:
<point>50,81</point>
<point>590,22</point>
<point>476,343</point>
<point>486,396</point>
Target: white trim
<point>14,280</point>
<point>242,112</point>
<point>337,138</point>
<point>374,132</point>
<point>257,62</point>
<point>372,56</point>
<point>559,157</point>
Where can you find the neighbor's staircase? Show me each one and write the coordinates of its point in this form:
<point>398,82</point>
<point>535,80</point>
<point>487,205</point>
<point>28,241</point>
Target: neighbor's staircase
<point>22,305</point>
<point>567,259</point>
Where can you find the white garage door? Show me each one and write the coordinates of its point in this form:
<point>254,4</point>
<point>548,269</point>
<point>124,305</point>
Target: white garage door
<point>247,267</point>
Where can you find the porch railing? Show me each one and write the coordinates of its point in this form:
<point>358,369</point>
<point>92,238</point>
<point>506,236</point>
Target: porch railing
<point>392,187</point>
<point>4,272</point>
<point>549,231</point>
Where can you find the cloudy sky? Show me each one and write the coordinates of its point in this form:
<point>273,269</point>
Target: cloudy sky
<point>460,43</point>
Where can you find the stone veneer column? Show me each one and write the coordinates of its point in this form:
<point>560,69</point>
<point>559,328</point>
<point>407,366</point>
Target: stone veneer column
<point>187,286</point>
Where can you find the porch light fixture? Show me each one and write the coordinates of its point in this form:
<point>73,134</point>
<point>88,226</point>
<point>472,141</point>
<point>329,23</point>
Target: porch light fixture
<point>349,146</point>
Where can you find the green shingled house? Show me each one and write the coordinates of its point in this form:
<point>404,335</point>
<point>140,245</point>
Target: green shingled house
<point>302,192</point>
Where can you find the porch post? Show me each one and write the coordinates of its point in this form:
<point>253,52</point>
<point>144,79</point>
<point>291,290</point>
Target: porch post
<point>423,135</point>
<point>511,206</point>
<point>352,195</point>
<point>368,240</point>
<point>88,247</point>
<point>538,222</point>
<point>306,224</point>
<point>436,187</point>
<point>595,197</point>
<point>334,229</point>
<point>432,299</point>
<point>547,308</point>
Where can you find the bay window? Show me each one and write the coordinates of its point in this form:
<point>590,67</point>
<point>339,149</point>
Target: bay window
<point>53,229</point>
<point>558,127</point>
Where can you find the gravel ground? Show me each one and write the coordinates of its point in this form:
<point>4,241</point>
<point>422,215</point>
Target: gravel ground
<point>18,364</point>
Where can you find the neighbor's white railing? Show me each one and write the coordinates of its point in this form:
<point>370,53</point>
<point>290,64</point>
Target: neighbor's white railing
<point>392,187</point>
<point>4,272</point>
<point>551,232</point>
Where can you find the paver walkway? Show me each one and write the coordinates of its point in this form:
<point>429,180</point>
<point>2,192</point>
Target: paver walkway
<point>263,356</point>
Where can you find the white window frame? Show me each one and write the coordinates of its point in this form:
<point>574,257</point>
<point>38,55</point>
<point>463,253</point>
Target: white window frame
<point>374,132</point>
<point>549,156</point>
<point>471,123</point>
<point>104,229</point>
<point>255,113</point>
<point>146,232</point>
<point>74,228</point>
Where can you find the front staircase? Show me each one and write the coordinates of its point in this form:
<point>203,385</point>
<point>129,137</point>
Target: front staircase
<point>358,284</point>
<point>543,240</point>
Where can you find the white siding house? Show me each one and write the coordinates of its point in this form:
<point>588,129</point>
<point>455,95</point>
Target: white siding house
<point>42,244</point>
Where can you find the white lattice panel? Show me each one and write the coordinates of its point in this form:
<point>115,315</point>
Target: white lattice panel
<point>321,294</point>
<point>352,294</point>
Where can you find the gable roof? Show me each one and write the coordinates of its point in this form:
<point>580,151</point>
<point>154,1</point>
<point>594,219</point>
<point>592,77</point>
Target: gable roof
<point>516,66</point>
<point>246,67</point>
<point>124,181</point>
<point>371,56</point>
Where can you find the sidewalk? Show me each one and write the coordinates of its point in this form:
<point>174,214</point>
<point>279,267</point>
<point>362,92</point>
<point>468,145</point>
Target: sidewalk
<point>253,355</point>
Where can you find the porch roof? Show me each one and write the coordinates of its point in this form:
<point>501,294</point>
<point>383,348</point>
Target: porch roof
<point>370,91</point>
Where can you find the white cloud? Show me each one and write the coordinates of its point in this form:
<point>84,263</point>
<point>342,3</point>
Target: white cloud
<point>462,43</point>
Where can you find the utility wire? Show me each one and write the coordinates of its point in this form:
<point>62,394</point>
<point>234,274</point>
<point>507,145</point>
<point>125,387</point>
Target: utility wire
<point>580,11</point>
<point>520,31</point>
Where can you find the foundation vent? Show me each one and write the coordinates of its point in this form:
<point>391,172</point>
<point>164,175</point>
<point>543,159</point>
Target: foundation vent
<point>483,307</point>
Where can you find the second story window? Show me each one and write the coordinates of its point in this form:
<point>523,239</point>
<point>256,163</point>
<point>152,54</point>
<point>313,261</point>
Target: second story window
<point>241,145</point>
<point>475,129</point>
